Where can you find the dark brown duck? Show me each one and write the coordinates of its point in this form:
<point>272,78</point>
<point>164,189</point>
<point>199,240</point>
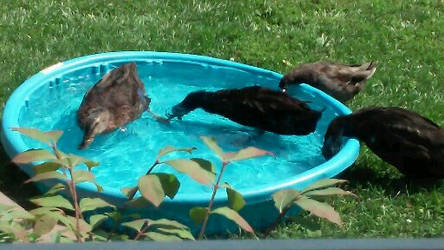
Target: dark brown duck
<point>256,107</point>
<point>341,81</point>
<point>407,140</point>
<point>117,99</point>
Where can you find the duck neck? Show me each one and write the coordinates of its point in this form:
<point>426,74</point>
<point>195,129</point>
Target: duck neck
<point>196,100</point>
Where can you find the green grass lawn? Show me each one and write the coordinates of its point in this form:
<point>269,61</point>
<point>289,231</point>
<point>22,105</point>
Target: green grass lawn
<point>405,37</point>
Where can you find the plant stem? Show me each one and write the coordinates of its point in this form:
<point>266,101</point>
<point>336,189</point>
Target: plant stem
<point>276,222</point>
<point>210,204</point>
<point>147,173</point>
<point>143,230</point>
<point>73,191</point>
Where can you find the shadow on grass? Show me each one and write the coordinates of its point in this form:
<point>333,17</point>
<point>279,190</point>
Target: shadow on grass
<point>12,182</point>
<point>360,175</point>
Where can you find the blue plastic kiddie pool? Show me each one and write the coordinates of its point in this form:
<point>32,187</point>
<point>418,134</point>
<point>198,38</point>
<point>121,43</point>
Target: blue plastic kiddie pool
<point>49,101</point>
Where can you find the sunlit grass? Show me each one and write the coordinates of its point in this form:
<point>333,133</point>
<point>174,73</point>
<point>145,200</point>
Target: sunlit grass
<point>405,37</point>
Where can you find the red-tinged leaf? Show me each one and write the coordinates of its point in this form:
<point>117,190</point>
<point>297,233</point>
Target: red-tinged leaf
<point>88,204</point>
<point>135,224</point>
<point>162,237</point>
<point>96,220</point>
<point>46,176</point>
<point>212,144</point>
<point>53,201</point>
<point>170,184</point>
<point>179,232</point>
<point>86,176</point>
<point>235,199</point>
<point>170,149</point>
<point>285,198</point>
<point>129,191</point>
<point>235,217</point>
<point>329,192</point>
<point>46,167</point>
<point>151,189</point>
<point>323,184</point>
<point>320,209</point>
<point>44,224</point>
<point>165,223</point>
<point>33,155</point>
<point>198,214</point>
<point>45,137</point>
<point>55,189</point>
<point>246,153</point>
<point>193,169</point>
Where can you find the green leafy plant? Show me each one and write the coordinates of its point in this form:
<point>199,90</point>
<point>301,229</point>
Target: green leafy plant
<point>52,206</point>
<point>305,199</point>
<point>236,201</point>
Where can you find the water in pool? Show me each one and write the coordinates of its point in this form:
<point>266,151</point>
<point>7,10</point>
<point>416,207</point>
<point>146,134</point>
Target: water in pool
<point>127,153</point>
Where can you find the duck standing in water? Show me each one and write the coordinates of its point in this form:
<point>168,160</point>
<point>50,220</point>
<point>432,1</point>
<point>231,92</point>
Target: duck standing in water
<point>341,81</point>
<point>407,140</point>
<point>257,107</point>
<point>117,99</point>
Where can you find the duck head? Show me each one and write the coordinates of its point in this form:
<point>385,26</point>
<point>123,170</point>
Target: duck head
<point>333,137</point>
<point>100,122</point>
<point>191,102</point>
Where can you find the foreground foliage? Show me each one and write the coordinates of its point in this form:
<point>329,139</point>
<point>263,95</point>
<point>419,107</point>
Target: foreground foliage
<point>53,208</point>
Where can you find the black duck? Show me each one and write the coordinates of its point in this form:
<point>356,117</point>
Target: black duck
<point>257,107</point>
<point>408,141</point>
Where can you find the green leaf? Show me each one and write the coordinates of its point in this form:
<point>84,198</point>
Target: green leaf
<point>198,214</point>
<point>320,209</point>
<point>235,199</point>
<point>90,164</point>
<point>246,153</point>
<point>151,189</point>
<point>55,189</point>
<point>88,204</point>
<point>323,184</point>
<point>46,210</point>
<point>140,202</point>
<point>193,169</point>
<point>181,233</point>
<point>33,155</point>
<point>96,220</point>
<point>44,224</point>
<point>285,198</point>
<point>46,167</point>
<point>212,144</point>
<point>46,176</point>
<point>235,217</point>
<point>129,191</point>
<point>162,237</point>
<point>205,164</point>
<point>86,176</point>
<point>166,223</point>
<point>135,224</point>
<point>53,201</point>
<point>170,184</point>
<point>329,192</point>
<point>45,137</point>
<point>21,214</point>
<point>170,149</point>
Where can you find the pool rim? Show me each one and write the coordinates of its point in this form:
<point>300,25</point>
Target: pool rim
<point>13,143</point>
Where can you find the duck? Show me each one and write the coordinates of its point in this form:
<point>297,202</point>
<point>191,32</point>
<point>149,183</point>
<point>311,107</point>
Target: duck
<point>340,81</point>
<point>114,101</point>
<point>410,142</point>
<point>254,106</point>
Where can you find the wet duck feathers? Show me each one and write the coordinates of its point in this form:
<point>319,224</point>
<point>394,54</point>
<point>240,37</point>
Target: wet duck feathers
<point>117,99</point>
<point>254,106</point>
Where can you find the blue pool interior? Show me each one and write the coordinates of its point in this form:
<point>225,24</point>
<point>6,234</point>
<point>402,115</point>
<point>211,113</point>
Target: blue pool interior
<point>127,153</point>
